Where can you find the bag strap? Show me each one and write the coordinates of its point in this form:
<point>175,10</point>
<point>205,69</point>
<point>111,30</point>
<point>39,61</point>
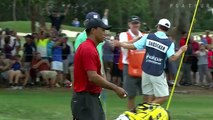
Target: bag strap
<point>129,36</point>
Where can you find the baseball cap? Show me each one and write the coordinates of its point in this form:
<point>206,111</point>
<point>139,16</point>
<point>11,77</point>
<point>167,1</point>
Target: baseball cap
<point>134,19</point>
<point>94,23</point>
<point>164,22</point>
<point>63,35</point>
<point>29,36</point>
<point>92,15</point>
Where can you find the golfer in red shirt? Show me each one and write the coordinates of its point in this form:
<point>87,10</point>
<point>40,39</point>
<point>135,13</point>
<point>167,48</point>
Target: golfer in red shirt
<point>88,81</point>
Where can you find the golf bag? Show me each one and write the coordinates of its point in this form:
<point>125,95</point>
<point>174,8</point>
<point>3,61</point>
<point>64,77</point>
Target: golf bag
<point>145,112</point>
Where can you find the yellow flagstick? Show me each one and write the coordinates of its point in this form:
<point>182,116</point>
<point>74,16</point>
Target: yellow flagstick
<point>181,61</point>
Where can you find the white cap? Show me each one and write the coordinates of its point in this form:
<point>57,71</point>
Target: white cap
<point>164,22</point>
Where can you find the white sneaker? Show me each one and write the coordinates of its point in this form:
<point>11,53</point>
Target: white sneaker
<point>66,81</point>
<point>14,87</point>
<point>20,87</point>
<point>57,85</point>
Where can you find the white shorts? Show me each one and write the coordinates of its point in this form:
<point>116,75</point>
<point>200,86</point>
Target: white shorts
<point>155,85</point>
<point>56,65</point>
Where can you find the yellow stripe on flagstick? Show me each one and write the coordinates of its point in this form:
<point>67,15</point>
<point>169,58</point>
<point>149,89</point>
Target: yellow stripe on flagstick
<point>181,61</point>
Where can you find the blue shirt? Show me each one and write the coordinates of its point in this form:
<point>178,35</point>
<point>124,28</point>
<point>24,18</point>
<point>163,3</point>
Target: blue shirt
<point>204,41</point>
<point>57,54</point>
<point>16,66</point>
<point>140,44</point>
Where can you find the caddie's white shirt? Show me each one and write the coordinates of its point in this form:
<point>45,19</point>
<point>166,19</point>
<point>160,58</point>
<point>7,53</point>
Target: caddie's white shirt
<point>124,38</point>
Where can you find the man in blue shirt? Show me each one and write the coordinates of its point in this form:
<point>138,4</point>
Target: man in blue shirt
<point>57,61</point>
<point>158,49</point>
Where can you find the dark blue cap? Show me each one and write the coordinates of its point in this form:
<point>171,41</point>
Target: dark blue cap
<point>94,23</point>
<point>92,15</point>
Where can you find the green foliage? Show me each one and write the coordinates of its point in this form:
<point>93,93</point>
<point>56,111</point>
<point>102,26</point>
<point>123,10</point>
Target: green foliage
<point>204,16</point>
<point>119,11</point>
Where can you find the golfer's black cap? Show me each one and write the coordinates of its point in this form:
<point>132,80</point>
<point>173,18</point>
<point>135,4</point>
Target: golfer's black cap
<point>134,19</point>
<point>92,15</point>
<point>94,23</point>
<point>29,36</point>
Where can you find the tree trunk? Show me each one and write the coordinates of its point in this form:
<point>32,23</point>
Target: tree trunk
<point>32,16</point>
<point>14,10</point>
<point>41,18</point>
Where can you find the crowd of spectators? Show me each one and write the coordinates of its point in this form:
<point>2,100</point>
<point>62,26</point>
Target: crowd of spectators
<point>41,59</point>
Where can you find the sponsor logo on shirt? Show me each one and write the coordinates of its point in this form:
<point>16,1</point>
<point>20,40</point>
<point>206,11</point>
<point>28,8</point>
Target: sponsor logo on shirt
<point>153,59</point>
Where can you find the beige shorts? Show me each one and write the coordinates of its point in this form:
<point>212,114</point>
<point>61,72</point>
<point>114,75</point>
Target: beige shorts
<point>155,85</point>
<point>46,74</point>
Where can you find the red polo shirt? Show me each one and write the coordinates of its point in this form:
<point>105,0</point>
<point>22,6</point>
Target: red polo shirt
<point>86,59</point>
<point>41,67</point>
<point>209,40</point>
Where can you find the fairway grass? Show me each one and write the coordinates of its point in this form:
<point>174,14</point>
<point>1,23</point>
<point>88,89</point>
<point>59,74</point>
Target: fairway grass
<point>25,26</point>
<point>54,104</point>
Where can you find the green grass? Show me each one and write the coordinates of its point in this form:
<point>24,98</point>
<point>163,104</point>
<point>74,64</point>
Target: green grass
<point>25,26</point>
<point>43,104</point>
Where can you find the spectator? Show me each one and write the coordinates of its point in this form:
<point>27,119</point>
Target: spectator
<point>41,44</point>
<point>56,17</point>
<point>4,67</point>
<point>194,60</point>
<point>65,53</point>
<point>50,44</point>
<point>35,36</point>
<point>171,68</point>
<point>208,38</point>
<point>76,23</point>
<point>210,59</point>
<point>186,69</point>
<point>202,55</point>
<point>108,58</point>
<point>203,40</point>
<point>183,38</point>
<point>29,49</point>
<point>15,37</point>
<point>57,61</point>
<point>17,74</point>
<point>43,68</point>
<point>7,48</point>
<point>116,73</point>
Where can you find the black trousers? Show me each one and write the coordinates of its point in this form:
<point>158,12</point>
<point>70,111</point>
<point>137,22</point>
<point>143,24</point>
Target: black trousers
<point>86,106</point>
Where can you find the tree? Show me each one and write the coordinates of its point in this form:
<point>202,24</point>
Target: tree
<point>179,12</point>
<point>37,8</point>
<point>14,10</point>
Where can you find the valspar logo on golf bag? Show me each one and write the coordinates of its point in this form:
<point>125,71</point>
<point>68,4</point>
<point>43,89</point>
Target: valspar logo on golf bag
<point>145,112</point>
